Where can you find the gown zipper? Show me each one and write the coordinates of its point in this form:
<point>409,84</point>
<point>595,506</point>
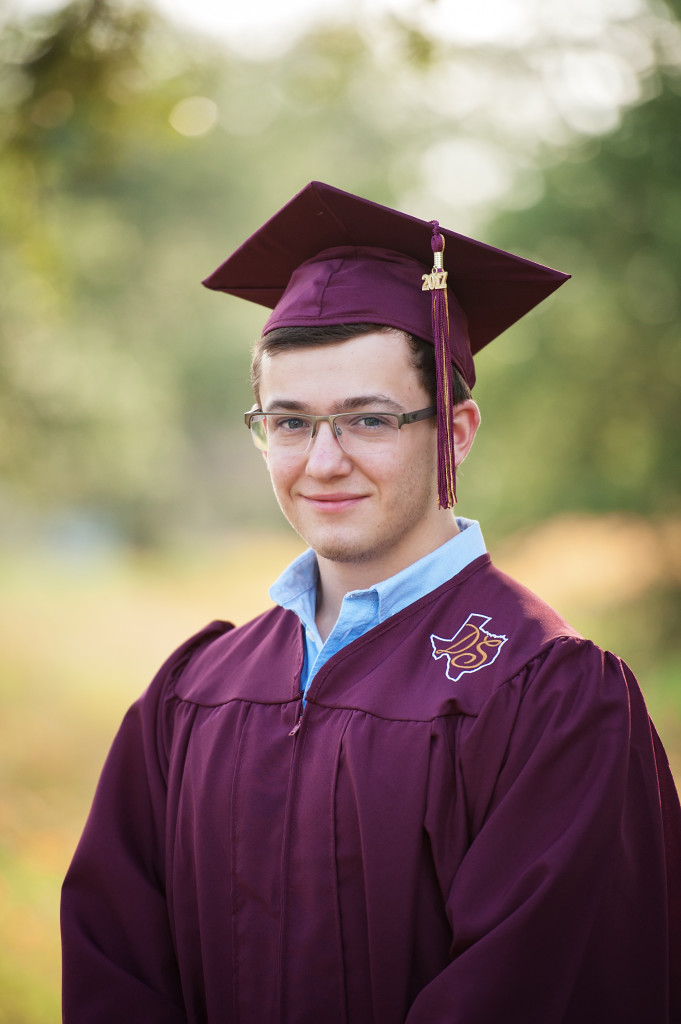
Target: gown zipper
<point>299,720</point>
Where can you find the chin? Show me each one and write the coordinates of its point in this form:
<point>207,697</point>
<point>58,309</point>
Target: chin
<point>346,553</point>
<point>334,547</point>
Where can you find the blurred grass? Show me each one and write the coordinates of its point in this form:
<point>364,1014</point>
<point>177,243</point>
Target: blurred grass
<point>80,639</point>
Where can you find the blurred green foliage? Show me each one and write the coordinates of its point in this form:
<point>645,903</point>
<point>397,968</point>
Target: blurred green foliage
<point>135,158</point>
<point>595,392</point>
<point>120,380</point>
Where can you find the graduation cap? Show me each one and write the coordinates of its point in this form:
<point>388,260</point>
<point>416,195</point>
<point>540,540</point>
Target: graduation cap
<point>330,257</point>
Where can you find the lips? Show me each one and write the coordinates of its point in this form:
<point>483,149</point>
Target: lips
<point>338,501</point>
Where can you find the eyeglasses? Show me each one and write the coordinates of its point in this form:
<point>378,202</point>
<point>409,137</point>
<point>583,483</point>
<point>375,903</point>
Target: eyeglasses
<point>356,432</point>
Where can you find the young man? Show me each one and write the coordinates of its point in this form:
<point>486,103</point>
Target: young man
<point>409,792</point>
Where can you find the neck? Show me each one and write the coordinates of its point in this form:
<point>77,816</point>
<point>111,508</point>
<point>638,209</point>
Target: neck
<point>336,579</point>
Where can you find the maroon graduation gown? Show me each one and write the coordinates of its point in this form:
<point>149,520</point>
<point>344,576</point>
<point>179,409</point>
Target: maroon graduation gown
<point>473,823</point>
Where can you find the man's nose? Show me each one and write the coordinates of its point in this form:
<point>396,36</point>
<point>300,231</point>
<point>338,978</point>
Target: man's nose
<point>325,455</point>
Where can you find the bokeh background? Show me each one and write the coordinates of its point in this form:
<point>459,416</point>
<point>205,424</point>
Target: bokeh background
<point>139,146</point>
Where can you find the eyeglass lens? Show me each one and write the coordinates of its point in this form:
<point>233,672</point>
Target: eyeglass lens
<point>355,432</point>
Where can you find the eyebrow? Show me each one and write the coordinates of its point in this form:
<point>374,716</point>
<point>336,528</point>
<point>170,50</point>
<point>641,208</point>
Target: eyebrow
<point>367,402</point>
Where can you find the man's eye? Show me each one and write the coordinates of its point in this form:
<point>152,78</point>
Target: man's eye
<point>288,424</point>
<point>372,422</point>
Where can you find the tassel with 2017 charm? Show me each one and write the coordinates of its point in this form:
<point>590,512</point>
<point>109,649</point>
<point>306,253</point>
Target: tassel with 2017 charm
<point>436,283</point>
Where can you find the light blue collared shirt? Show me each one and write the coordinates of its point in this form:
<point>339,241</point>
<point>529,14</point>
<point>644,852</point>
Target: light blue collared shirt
<point>361,610</point>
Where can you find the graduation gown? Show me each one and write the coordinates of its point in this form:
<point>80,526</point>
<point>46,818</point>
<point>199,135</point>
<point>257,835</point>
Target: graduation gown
<point>472,822</point>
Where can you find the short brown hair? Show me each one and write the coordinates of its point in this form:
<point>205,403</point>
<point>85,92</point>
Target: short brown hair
<point>284,339</point>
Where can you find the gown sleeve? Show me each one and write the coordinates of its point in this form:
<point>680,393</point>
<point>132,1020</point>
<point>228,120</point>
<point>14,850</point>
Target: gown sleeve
<point>559,907</point>
<point>118,956</point>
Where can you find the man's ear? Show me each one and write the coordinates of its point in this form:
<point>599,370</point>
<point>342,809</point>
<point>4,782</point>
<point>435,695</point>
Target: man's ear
<point>466,423</point>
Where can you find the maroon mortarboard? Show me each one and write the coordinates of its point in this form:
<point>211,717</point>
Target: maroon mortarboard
<point>330,257</point>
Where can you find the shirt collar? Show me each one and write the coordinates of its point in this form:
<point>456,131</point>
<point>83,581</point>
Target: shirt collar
<point>296,588</point>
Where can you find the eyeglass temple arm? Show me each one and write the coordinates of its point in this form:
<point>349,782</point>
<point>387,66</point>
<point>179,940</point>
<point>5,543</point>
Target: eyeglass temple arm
<point>414,417</point>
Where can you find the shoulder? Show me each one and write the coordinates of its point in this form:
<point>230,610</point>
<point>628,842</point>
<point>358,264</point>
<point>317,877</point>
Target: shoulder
<point>546,671</point>
<point>224,661</point>
<point>485,620</point>
<point>219,664</point>
<point>513,602</point>
<point>544,646</point>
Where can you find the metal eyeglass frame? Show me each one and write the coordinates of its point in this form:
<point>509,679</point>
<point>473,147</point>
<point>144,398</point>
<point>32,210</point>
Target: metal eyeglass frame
<point>403,418</point>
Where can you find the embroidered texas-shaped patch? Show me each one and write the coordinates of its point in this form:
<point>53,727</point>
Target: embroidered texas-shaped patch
<point>470,649</point>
